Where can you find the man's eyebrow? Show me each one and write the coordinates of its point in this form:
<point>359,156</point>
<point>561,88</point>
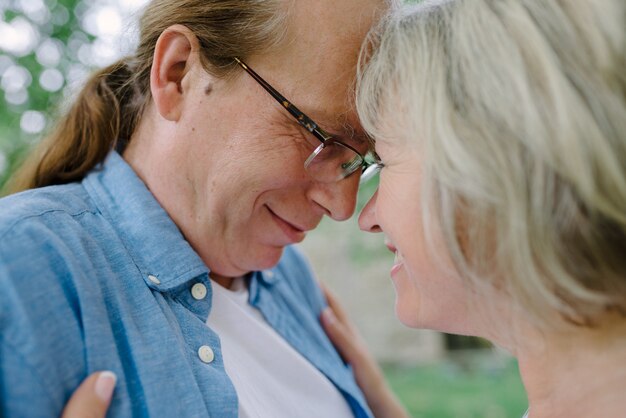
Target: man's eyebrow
<point>338,126</point>
<point>342,128</point>
<point>356,135</point>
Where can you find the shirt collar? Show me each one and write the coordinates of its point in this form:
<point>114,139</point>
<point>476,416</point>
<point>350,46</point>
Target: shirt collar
<point>157,246</point>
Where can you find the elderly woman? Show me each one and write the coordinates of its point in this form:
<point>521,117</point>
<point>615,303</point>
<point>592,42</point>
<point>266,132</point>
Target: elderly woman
<point>501,125</point>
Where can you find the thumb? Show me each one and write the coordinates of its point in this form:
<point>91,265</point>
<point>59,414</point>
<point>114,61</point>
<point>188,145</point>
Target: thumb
<point>92,398</point>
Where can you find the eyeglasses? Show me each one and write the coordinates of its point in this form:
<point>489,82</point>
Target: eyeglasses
<point>332,160</point>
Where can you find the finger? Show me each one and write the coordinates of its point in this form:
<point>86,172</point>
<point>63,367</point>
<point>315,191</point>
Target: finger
<point>92,398</point>
<point>335,305</point>
<point>340,336</point>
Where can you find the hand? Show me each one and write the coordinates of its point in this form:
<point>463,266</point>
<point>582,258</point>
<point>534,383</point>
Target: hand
<point>368,375</point>
<point>92,398</point>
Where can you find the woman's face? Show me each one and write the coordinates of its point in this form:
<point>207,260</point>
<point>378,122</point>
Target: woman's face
<point>429,294</point>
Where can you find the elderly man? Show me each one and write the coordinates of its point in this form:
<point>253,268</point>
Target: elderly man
<point>167,260</point>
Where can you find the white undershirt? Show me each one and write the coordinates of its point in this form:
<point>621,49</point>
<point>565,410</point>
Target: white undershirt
<point>271,378</point>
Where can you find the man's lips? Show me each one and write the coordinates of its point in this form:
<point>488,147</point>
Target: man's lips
<point>294,233</point>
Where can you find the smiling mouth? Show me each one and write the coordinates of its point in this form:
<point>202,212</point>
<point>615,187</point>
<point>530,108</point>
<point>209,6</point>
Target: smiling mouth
<point>398,262</point>
<point>293,233</point>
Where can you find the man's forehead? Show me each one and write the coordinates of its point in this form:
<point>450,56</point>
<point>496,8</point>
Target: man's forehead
<point>315,64</point>
<point>323,37</point>
<point>322,20</point>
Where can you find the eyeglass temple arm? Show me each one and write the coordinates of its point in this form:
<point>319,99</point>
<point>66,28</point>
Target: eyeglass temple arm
<point>302,119</point>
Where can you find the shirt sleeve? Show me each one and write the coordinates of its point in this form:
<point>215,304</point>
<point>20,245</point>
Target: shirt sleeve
<point>23,392</point>
<point>42,353</point>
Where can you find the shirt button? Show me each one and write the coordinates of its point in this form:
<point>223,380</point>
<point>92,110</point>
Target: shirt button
<point>154,279</point>
<point>269,274</point>
<point>206,354</point>
<point>198,291</point>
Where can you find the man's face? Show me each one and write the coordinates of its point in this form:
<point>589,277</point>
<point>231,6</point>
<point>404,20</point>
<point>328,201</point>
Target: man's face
<point>245,194</point>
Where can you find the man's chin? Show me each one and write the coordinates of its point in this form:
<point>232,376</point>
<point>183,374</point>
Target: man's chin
<point>267,258</point>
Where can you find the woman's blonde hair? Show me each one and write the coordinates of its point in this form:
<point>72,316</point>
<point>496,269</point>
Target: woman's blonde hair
<point>518,110</point>
<point>111,103</point>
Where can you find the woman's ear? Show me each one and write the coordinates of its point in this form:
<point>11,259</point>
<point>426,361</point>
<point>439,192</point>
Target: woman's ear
<point>174,54</point>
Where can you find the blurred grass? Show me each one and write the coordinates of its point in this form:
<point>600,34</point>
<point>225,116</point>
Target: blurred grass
<point>481,387</point>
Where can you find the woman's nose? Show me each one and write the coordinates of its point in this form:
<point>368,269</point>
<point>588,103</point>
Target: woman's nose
<point>367,218</point>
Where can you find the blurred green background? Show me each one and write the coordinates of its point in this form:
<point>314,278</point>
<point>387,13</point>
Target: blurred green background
<point>470,387</point>
<point>47,47</point>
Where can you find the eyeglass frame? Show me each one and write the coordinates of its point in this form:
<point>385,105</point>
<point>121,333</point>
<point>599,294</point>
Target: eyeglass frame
<point>311,126</point>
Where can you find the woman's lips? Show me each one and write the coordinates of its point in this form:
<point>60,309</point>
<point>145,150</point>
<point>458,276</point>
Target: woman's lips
<point>293,233</point>
<point>398,262</point>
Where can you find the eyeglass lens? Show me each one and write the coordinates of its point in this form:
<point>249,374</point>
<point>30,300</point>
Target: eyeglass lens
<point>334,161</point>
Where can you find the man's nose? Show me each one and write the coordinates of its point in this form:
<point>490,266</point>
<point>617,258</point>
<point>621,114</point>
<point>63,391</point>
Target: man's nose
<point>338,199</point>
<point>367,218</point>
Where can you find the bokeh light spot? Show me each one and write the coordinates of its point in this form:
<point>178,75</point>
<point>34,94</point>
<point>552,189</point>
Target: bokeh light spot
<point>49,53</point>
<point>18,37</point>
<point>15,78</point>
<point>51,80</point>
<point>33,122</point>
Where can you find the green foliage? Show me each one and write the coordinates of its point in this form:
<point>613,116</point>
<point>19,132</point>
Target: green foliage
<point>453,389</point>
<point>60,24</point>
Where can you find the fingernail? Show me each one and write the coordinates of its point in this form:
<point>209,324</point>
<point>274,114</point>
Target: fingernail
<point>329,316</point>
<point>105,385</point>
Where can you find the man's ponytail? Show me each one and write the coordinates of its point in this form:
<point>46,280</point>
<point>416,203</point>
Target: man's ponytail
<point>85,135</point>
<point>111,104</point>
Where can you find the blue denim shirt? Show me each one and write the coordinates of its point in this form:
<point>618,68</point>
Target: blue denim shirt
<point>95,275</point>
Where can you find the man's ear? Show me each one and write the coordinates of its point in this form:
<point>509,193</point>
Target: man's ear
<point>175,51</point>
